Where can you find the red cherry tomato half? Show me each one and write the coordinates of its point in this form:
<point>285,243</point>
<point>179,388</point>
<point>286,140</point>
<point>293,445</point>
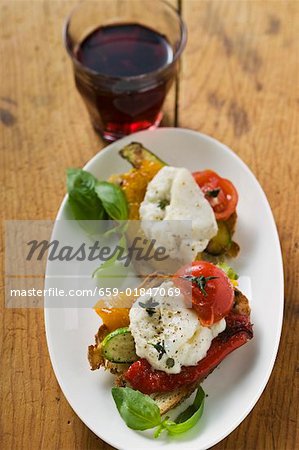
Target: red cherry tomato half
<point>209,288</point>
<point>221,193</point>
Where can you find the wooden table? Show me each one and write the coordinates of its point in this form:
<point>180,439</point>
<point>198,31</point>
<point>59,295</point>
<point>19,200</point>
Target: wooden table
<point>239,83</point>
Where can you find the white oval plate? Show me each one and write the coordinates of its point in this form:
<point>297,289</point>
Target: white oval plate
<point>234,388</point>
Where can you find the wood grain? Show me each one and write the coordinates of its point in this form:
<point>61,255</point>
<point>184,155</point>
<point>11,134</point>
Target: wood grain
<point>239,83</point>
<point>44,129</point>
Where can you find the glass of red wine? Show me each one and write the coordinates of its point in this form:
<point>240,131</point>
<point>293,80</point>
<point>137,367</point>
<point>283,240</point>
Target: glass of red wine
<point>125,57</point>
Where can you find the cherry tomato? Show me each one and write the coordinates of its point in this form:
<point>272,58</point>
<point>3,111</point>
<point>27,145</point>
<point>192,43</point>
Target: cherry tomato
<point>221,193</point>
<point>209,289</point>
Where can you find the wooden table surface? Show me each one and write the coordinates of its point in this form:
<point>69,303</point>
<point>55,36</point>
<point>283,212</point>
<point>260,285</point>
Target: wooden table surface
<point>239,83</point>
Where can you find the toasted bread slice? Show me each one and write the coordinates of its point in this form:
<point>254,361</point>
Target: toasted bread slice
<point>94,354</point>
<point>169,400</point>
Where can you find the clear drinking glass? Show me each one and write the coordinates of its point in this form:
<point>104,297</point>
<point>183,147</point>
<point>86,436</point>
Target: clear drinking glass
<point>125,57</point>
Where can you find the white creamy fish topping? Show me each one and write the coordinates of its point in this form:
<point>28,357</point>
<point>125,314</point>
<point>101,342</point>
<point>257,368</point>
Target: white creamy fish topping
<point>176,214</point>
<point>167,333</point>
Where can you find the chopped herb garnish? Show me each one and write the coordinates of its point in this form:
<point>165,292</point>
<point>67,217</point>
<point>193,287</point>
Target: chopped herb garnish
<point>213,192</point>
<point>169,362</point>
<point>149,306</point>
<point>160,349</point>
<point>163,203</point>
<point>200,282</point>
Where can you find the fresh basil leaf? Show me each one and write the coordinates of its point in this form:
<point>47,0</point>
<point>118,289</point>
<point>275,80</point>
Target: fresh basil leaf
<point>112,268</point>
<point>113,199</point>
<point>139,411</point>
<point>228,270</point>
<point>188,418</point>
<point>84,202</point>
<point>111,271</point>
<point>120,228</point>
<point>185,415</point>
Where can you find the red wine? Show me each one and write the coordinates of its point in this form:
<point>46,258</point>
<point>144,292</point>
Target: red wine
<point>122,105</point>
<point>124,50</point>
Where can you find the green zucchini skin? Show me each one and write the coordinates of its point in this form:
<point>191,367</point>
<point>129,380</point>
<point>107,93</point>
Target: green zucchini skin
<point>135,154</point>
<point>220,243</point>
<point>119,347</point>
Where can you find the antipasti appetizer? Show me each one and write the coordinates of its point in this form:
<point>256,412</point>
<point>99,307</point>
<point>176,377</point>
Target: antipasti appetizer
<point>179,324</point>
<point>163,347</point>
<point>156,191</point>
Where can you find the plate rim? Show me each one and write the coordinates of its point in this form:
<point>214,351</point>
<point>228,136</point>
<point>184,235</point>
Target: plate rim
<point>275,348</point>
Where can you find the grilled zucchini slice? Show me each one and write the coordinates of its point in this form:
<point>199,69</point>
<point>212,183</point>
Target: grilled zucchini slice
<point>119,347</point>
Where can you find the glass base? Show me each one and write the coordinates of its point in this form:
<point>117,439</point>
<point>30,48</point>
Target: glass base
<point>119,132</point>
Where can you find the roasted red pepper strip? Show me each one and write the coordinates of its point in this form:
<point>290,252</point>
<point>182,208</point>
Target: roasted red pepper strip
<point>144,378</point>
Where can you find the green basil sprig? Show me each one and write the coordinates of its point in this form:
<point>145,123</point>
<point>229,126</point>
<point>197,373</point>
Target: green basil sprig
<point>140,412</point>
<point>91,199</point>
